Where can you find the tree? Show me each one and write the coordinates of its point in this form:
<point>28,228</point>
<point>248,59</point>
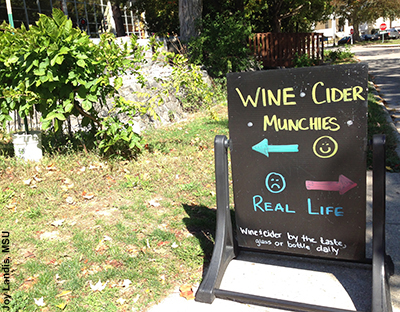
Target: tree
<point>287,15</point>
<point>161,17</point>
<point>357,11</point>
<point>189,15</point>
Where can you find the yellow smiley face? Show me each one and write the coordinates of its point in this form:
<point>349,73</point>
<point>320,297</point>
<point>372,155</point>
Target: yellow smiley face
<point>325,147</point>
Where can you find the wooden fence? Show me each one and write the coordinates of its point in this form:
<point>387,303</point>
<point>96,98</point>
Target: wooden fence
<point>279,49</point>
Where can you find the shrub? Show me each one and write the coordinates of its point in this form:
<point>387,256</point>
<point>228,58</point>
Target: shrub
<point>304,60</point>
<point>222,45</point>
<point>339,55</point>
<point>59,71</point>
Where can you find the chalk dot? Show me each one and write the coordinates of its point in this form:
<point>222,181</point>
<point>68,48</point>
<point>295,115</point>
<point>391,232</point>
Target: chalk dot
<point>249,124</point>
<point>349,123</point>
<point>302,94</point>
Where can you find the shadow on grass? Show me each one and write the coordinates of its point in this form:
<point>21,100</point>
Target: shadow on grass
<point>201,224</point>
<point>54,143</point>
<point>223,123</point>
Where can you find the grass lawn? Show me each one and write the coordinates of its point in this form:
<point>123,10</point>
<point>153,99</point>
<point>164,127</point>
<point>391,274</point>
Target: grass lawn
<point>78,223</point>
<point>143,227</point>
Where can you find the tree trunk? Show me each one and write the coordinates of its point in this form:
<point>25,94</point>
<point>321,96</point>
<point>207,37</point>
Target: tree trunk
<point>119,23</point>
<point>189,14</point>
<point>274,11</point>
<point>64,7</point>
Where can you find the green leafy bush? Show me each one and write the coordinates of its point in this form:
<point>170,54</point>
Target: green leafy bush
<point>304,60</point>
<point>59,71</point>
<point>187,83</point>
<point>339,55</point>
<point>222,46</point>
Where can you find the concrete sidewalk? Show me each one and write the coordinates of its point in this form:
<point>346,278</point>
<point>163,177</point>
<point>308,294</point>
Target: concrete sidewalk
<point>304,280</point>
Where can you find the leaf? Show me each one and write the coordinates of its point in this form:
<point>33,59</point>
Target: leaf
<point>13,59</point>
<point>174,245</point>
<point>62,305</point>
<point>58,223</point>
<point>186,292</point>
<point>98,286</point>
<point>64,293</point>
<point>59,59</point>
<point>29,282</point>
<point>154,203</point>
<point>87,196</point>
<point>51,167</point>
<point>39,302</point>
<point>86,105</point>
<point>126,283</point>
<point>70,200</point>
<point>81,63</point>
<point>121,301</point>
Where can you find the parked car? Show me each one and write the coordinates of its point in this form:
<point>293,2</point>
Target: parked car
<point>345,40</point>
<point>392,33</point>
<point>371,37</point>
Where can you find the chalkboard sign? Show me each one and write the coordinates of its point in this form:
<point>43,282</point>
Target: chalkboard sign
<point>298,148</point>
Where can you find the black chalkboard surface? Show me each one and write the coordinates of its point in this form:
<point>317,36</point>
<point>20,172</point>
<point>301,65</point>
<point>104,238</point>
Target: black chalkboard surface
<point>298,148</point>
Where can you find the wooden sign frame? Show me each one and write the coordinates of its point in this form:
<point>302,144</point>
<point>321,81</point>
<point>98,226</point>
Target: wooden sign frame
<point>227,247</point>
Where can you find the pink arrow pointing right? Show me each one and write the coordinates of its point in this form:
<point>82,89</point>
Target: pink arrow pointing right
<point>342,186</point>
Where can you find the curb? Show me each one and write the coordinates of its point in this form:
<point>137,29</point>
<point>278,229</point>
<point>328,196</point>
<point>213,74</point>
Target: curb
<point>388,117</point>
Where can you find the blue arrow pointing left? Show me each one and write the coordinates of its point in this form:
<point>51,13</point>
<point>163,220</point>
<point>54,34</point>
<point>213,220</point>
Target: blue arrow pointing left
<point>264,148</point>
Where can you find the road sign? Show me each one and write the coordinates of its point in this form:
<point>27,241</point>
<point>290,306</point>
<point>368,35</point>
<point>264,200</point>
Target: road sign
<point>351,31</point>
<point>383,26</point>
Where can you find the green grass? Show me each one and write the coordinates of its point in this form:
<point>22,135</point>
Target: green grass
<point>151,221</point>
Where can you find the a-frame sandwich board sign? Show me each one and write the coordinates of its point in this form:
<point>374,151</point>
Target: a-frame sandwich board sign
<point>298,141</point>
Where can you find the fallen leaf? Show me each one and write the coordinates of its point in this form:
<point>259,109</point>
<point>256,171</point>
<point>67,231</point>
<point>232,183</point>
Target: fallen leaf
<point>101,247</point>
<point>27,182</point>
<point>154,203</point>
<point>133,251</point>
<point>37,179</point>
<point>186,292</point>
<point>114,263</point>
<point>61,305</point>
<point>64,293</point>
<point>69,200</point>
<point>49,235</point>
<point>29,282</point>
<point>174,245</point>
<point>162,278</point>
<point>29,254</point>
<point>126,283</point>
<point>98,286</point>
<point>12,205</point>
<point>51,167</point>
<point>87,196</point>
<point>121,301</point>
<point>39,302</point>
<point>58,223</point>
<point>162,243</point>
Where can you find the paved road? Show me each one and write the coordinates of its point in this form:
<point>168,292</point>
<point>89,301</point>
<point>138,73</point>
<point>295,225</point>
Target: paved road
<point>384,66</point>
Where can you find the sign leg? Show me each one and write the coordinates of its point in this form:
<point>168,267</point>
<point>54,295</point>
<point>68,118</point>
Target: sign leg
<point>224,249</point>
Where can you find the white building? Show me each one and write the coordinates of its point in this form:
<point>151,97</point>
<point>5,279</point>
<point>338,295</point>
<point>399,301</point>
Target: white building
<point>338,28</point>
